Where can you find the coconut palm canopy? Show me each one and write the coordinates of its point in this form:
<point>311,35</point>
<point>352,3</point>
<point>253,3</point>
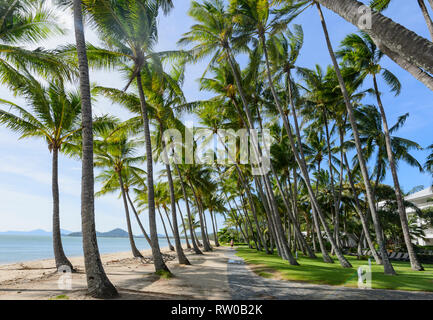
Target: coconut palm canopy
<point>289,154</point>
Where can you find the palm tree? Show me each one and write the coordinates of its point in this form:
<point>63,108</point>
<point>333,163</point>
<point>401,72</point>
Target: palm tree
<point>214,204</point>
<point>363,166</point>
<point>129,30</point>
<point>218,39</point>
<point>28,22</point>
<point>116,155</point>
<point>407,49</point>
<point>55,117</point>
<point>98,284</point>
<point>361,52</point>
<point>381,5</point>
<point>253,18</point>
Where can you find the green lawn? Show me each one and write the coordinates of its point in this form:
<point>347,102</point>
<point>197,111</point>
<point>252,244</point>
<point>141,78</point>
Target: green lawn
<point>316,271</point>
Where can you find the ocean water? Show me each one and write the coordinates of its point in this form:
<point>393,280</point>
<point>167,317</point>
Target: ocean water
<point>28,248</point>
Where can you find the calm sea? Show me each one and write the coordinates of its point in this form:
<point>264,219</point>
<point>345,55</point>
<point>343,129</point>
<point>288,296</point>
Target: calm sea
<point>28,248</point>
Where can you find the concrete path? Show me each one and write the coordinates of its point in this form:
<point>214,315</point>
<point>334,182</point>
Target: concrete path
<point>246,285</point>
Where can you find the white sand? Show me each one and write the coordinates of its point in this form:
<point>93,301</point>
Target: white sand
<point>206,278</point>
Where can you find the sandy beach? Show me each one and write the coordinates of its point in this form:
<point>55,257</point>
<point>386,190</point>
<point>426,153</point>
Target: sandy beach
<point>206,278</point>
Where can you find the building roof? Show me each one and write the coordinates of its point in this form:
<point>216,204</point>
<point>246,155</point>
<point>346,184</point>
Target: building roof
<point>426,193</point>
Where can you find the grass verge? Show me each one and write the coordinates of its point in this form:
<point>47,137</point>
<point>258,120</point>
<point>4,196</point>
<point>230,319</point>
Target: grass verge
<point>318,272</point>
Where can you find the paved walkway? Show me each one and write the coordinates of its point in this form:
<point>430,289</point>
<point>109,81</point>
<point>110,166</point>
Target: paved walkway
<point>246,285</point>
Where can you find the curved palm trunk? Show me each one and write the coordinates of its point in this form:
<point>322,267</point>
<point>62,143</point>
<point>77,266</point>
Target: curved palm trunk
<point>183,226</point>
<point>158,261</point>
<point>188,211</point>
<point>135,252</point>
<point>414,262</point>
<point>179,251</point>
<point>59,255</point>
<point>388,268</point>
<point>343,261</point>
<point>404,43</point>
<point>98,284</point>
<point>165,230</point>
<point>138,219</point>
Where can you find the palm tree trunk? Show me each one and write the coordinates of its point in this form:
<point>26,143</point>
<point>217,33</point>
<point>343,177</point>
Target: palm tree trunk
<point>343,261</point>
<point>206,244</point>
<point>138,219</point>
<point>388,268</point>
<point>291,219</point>
<point>180,254</point>
<point>362,217</point>
<point>183,226</point>
<point>215,236</point>
<point>261,241</point>
<point>188,211</point>
<point>416,72</point>
<point>414,262</point>
<point>331,174</point>
<point>59,254</point>
<point>165,230</point>
<point>134,249</point>
<point>286,254</point>
<point>158,261</point>
<point>406,44</point>
<point>98,284</point>
<point>427,17</point>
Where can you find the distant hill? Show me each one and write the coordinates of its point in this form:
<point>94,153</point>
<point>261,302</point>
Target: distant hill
<point>37,232</point>
<point>115,233</point>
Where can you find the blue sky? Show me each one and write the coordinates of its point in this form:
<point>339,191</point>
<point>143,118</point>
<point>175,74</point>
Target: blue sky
<point>25,170</point>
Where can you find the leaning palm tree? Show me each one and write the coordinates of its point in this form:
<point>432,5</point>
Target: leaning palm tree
<point>363,54</point>
<point>54,115</point>
<point>253,19</point>
<point>213,35</point>
<point>98,284</point>
<point>381,5</point>
<point>129,32</point>
<point>410,51</point>
<point>116,154</point>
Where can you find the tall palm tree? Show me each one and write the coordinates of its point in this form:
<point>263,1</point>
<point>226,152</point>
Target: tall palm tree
<point>129,31</point>
<point>98,284</point>
<point>365,56</point>
<point>410,51</point>
<point>116,155</point>
<point>218,40</point>
<point>381,5</point>
<point>54,116</point>
<point>253,18</point>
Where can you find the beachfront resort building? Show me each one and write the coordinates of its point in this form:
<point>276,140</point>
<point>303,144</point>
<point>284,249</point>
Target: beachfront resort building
<point>423,200</point>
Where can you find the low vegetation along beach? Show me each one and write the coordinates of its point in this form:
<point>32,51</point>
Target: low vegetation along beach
<point>236,149</point>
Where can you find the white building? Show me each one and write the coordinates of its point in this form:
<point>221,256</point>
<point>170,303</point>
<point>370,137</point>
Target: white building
<point>421,200</point>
